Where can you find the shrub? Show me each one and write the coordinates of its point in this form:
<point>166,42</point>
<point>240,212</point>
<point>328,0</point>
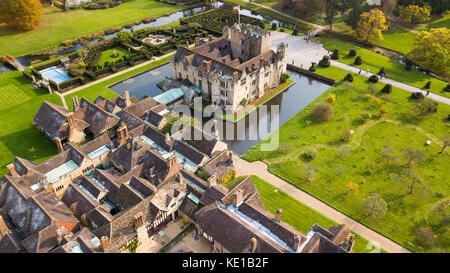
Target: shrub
<point>365,116</point>
<point>358,60</point>
<point>227,178</point>
<point>346,135</point>
<point>408,64</point>
<point>284,77</point>
<point>352,53</point>
<point>202,175</point>
<point>243,102</point>
<point>349,77</point>
<point>274,26</point>
<point>295,32</point>
<point>331,98</point>
<point>427,85</point>
<point>387,88</point>
<point>312,68</point>
<point>447,88</point>
<point>335,55</point>
<point>325,62</point>
<point>373,79</point>
<point>323,111</point>
<point>309,153</point>
<point>381,72</point>
<point>417,95</point>
<point>424,237</point>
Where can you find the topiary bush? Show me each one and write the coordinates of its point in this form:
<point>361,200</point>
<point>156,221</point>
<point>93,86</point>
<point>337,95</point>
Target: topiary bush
<point>358,60</point>
<point>427,85</point>
<point>295,32</point>
<point>352,53</point>
<point>381,72</point>
<point>325,62</point>
<point>349,77</point>
<point>417,95</point>
<point>335,55</point>
<point>284,77</point>
<point>373,79</point>
<point>312,68</point>
<point>274,26</point>
<point>323,111</point>
<point>387,88</point>
<point>408,64</point>
<point>447,88</point>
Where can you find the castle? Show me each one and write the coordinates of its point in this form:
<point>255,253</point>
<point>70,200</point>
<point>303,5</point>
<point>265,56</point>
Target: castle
<point>238,66</point>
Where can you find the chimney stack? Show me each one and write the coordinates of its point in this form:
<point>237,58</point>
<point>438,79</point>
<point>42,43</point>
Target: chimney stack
<point>172,161</point>
<point>278,215</point>
<point>187,43</point>
<point>235,76</point>
<point>104,242</point>
<point>214,129</point>
<point>230,155</point>
<point>126,96</point>
<point>197,41</point>
<point>180,178</point>
<point>59,145</point>
<point>168,139</point>
<point>76,104</point>
<point>210,37</point>
<point>238,196</point>
<point>138,221</point>
<point>297,241</point>
<point>12,170</point>
<point>71,120</point>
<point>254,242</point>
<point>122,134</point>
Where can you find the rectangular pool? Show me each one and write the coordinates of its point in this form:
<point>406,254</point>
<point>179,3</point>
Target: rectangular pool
<point>55,74</point>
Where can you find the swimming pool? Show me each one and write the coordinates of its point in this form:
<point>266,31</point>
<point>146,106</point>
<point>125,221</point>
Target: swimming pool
<point>55,74</point>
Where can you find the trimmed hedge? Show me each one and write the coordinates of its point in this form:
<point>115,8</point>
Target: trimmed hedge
<point>373,79</point>
<point>387,88</point>
<point>325,62</point>
<point>358,60</point>
<point>335,55</point>
<point>349,77</point>
<point>417,95</point>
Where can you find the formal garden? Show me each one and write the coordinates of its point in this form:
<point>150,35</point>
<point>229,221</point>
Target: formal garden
<point>377,156</point>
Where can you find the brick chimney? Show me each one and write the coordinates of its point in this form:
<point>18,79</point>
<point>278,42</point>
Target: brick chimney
<point>104,242</point>
<point>235,76</point>
<point>197,41</point>
<point>3,227</point>
<point>126,96</point>
<point>278,215</point>
<point>297,243</point>
<point>75,103</point>
<point>172,161</point>
<point>238,196</point>
<point>122,134</point>
<point>138,221</point>
<point>59,145</point>
<point>12,170</point>
<point>254,242</point>
<point>210,37</point>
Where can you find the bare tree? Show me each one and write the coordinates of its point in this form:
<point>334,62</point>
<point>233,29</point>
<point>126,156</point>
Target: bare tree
<point>310,172</point>
<point>388,154</point>
<point>412,181</point>
<point>412,154</point>
<point>446,143</point>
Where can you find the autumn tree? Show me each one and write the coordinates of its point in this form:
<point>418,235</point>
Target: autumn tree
<point>22,15</point>
<point>432,50</point>
<point>414,14</point>
<point>374,206</point>
<point>371,25</point>
<point>333,8</point>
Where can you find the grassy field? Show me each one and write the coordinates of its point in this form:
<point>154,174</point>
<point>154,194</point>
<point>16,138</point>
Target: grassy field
<point>443,21</point>
<point>295,213</point>
<point>107,55</point>
<point>101,89</point>
<point>374,61</point>
<point>18,137</point>
<point>58,25</point>
<point>345,173</point>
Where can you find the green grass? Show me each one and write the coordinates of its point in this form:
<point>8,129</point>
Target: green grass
<point>359,161</point>
<point>442,21</point>
<point>374,61</point>
<point>101,89</point>
<point>18,137</point>
<point>295,213</point>
<point>107,55</point>
<point>58,25</point>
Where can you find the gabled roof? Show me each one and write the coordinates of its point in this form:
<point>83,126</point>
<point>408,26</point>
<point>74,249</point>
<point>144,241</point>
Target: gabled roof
<point>51,118</point>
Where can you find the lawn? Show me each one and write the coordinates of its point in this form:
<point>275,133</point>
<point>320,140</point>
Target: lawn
<point>295,213</point>
<point>107,55</point>
<point>18,137</point>
<point>101,89</point>
<point>344,174</point>
<point>443,21</point>
<point>58,25</point>
<point>374,61</point>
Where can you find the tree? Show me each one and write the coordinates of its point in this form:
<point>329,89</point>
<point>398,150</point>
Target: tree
<point>374,206</point>
<point>310,172</point>
<point>333,8</point>
<point>23,15</point>
<point>412,181</point>
<point>348,77</point>
<point>425,106</point>
<point>284,77</point>
<point>446,143</point>
<point>124,36</point>
<point>323,111</point>
<point>388,155</point>
<point>371,25</point>
<point>414,14</point>
<point>439,216</point>
<point>432,50</point>
<point>412,154</point>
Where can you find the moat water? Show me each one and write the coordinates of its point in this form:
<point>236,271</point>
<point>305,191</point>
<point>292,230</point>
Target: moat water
<point>298,96</point>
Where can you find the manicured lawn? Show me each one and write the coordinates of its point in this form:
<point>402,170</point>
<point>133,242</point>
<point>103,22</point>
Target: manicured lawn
<point>18,137</point>
<point>101,89</point>
<point>346,173</point>
<point>107,55</point>
<point>58,25</point>
<point>374,61</point>
<point>444,21</point>
<point>295,213</point>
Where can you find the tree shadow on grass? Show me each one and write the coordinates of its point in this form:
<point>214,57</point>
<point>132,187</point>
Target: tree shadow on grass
<point>28,144</point>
